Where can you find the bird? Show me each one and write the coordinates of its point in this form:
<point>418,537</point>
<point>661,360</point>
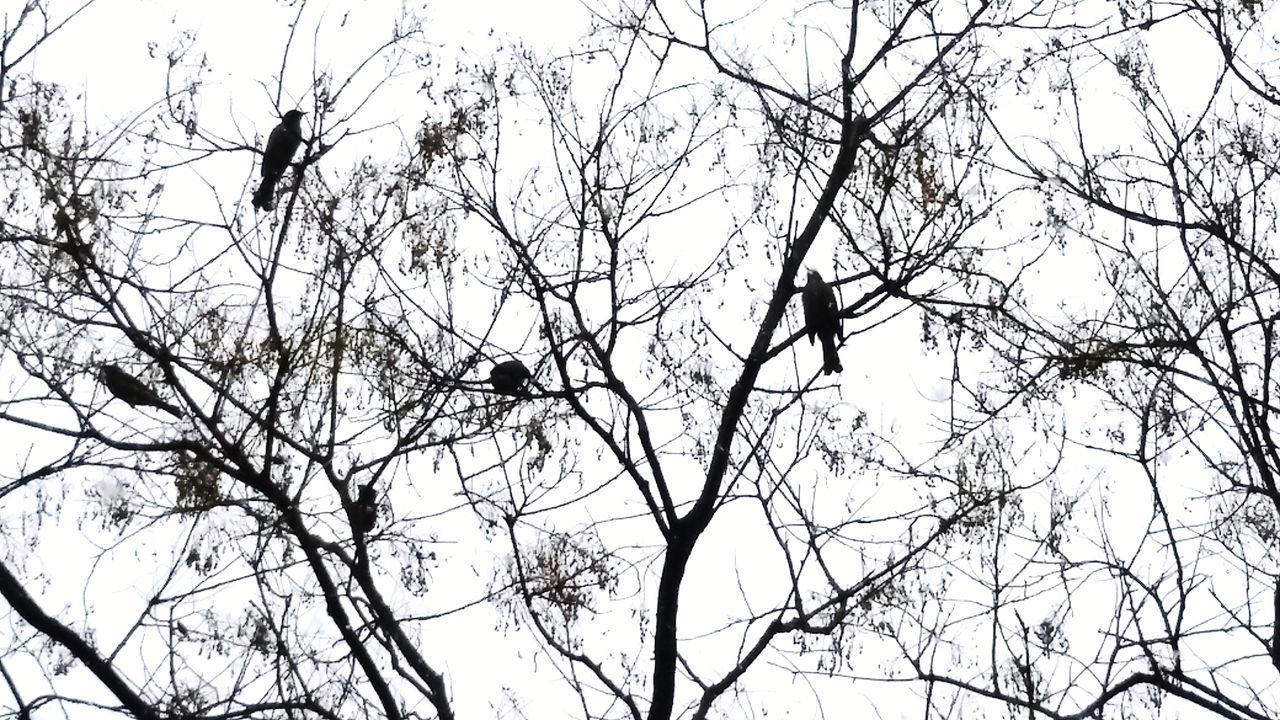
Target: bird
<point>822,316</point>
<point>509,377</point>
<point>79,252</point>
<point>132,390</point>
<point>74,246</point>
<point>364,515</point>
<point>281,146</point>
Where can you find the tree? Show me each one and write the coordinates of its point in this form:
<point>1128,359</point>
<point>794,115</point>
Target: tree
<point>684,514</point>
<point>1162,349</point>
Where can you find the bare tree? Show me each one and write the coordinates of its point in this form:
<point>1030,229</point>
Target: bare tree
<point>1158,357</point>
<point>644,344</point>
<point>367,507</point>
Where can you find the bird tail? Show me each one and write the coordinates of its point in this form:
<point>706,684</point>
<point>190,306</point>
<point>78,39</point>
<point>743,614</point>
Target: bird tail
<point>830,360</point>
<point>264,198</point>
<point>171,409</point>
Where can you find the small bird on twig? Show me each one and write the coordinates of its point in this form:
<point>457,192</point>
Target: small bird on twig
<point>132,390</point>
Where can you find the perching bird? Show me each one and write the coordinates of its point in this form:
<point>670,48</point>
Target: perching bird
<point>281,146</point>
<point>78,252</point>
<point>364,515</point>
<point>822,316</point>
<point>74,245</point>
<point>509,377</point>
<point>132,390</point>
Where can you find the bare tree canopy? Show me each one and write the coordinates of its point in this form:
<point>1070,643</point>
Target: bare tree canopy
<point>503,407</point>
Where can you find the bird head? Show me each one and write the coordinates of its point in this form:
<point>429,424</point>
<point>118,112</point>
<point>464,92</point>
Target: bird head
<point>293,118</point>
<point>815,278</point>
<point>108,368</point>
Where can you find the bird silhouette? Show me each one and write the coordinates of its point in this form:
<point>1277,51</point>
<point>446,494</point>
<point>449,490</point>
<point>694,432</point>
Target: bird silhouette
<point>822,316</point>
<point>509,377</point>
<point>132,390</point>
<point>281,146</point>
<point>364,514</point>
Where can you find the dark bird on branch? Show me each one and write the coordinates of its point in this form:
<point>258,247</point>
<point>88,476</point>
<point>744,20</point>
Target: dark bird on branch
<point>822,316</point>
<point>281,146</point>
<point>80,253</point>
<point>132,390</point>
<point>74,245</point>
<point>509,377</point>
<point>364,515</point>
